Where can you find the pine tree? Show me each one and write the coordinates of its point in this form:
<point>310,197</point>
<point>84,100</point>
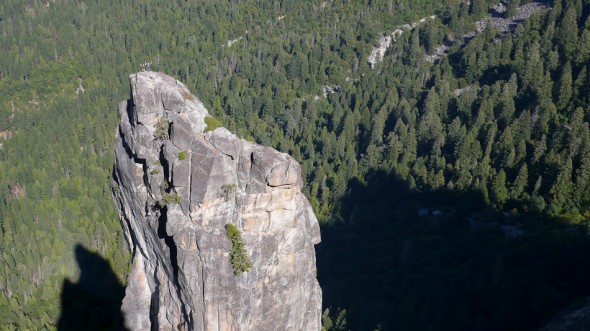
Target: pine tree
<point>238,254</point>
<point>478,8</point>
<point>499,191</point>
<point>563,92</point>
<point>520,183</point>
<point>512,8</point>
<point>567,33</point>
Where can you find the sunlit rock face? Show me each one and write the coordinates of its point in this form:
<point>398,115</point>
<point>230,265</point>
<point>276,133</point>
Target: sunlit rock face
<point>176,185</point>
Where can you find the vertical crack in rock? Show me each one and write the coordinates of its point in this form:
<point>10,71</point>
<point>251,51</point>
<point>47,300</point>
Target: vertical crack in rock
<point>172,250</point>
<point>182,278</point>
<point>165,168</point>
<point>129,108</point>
<point>154,304</point>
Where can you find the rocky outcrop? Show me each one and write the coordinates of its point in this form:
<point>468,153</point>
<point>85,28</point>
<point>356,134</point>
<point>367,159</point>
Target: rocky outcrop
<point>496,21</point>
<point>176,184</point>
<point>378,52</point>
<point>573,319</point>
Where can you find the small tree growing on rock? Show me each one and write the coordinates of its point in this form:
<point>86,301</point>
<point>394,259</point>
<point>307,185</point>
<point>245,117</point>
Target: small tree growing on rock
<point>227,190</point>
<point>170,199</point>
<point>238,254</point>
<point>161,128</point>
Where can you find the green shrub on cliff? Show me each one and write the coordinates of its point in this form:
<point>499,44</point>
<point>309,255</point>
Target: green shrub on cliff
<point>212,123</point>
<point>162,127</point>
<point>182,155</point>
<point>238,255</point>
<point>228,190</point>
<point>168,199</point>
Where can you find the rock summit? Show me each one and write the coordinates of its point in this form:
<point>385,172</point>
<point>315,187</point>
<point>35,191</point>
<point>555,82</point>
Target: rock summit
<point>178,180</point>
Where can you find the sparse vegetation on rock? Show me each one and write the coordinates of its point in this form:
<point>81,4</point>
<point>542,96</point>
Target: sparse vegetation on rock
<point>227,190</point>
<point>238,254</point>
<point>162,129</point>
<point>165,184</point>
<point>182,155</point>
<point>170,199</point>
<point>212,123</point>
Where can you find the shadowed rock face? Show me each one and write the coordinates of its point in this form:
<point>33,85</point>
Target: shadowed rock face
<point>182,277</point>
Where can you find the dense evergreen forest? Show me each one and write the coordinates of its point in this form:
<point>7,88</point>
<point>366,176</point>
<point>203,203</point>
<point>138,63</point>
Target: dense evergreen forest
<point>452,195</point>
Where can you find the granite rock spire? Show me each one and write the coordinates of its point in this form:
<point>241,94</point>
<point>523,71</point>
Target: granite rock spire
<point>177,182</point>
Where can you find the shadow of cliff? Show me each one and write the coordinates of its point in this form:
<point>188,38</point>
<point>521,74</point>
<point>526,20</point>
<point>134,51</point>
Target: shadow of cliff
<point>94,302</point>
<point>440,260</point>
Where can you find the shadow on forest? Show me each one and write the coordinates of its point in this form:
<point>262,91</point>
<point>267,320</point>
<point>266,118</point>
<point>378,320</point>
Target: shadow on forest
<point>94,302</point>
<point>458,270</point>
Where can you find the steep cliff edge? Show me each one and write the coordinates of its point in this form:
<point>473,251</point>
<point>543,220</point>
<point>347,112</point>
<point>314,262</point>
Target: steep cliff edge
<point>176,184</point>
